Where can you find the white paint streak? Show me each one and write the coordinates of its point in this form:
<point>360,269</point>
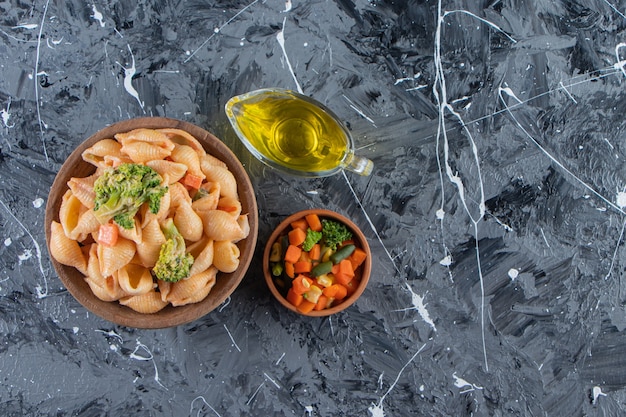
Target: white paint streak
<point>28,26</point>
<point>216,31</point>
<point>231,338</point>
<point>597,393</point>
<point>464,385</point>
<point>420,307</point>
<point>135,355</point>
<point>38,202</point>
<point>513,273</point>
<point>201,398</point>
<point>40,292</point>
<point>280,37</point>
<point>8,241</point>
<point>376,410</point>
<point>36,71</point>
<point>129,73</point>
<point>97,15</point>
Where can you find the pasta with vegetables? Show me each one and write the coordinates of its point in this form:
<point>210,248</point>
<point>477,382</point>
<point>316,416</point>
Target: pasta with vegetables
<point>155,224</point>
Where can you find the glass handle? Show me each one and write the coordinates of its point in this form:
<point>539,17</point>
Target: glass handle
<point>359,165</point>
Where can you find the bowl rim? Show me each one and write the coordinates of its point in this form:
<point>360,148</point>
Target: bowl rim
<point>365,275</point>
<point>170,316</point>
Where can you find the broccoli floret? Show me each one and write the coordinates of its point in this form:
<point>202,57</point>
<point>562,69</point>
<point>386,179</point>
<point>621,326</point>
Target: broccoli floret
<point>312,237</point>
<point>121,191</point>
<point>173,263</point>
<point>334,233</point>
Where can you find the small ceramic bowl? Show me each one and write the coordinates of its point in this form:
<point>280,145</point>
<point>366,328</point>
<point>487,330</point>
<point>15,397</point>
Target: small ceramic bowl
<point>362,272</point>
<point>170,316</point>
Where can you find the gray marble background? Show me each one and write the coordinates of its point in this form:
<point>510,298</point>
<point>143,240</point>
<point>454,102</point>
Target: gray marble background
<point>496,210</point>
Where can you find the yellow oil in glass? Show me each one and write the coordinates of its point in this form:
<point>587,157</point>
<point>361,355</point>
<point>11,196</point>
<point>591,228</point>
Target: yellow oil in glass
<point>292,132</point>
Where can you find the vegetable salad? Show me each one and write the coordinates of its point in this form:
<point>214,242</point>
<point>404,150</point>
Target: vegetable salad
<point>316,264</point>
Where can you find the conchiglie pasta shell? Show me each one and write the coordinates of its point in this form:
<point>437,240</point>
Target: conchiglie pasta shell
<point>188,223</point>
<point>192,289</point>
<point>87,224</point>
<point>226,179</point>
<point>135,279</point>
<point>141,152</point>
<point>150,245</point>
<point>106,290</point>
<point>65,250</point>
<point>208,161</point>
<point>209,201</point>
<point>151,136</point>
<point>202,252</point>
<point>219,225</point>
<point>164,209</point>
<point>173,171</point>
<point>178,195</point>
<point>133,233</point>
<point>112,258</point>
<point>225,256</point>
<point>82,188</point>
<point>184,154</point>
<point>147,303</point>
<point>164,288</point>
<point>98,153</point>
<point>182,137</point>
<point>244,224</point>
<point>69,213</point>
<point>230,205</point>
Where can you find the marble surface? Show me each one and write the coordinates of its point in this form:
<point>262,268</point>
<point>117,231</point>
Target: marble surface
<point>495,212</point>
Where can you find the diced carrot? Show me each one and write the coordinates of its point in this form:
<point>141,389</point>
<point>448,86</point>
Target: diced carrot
<point>228,209</point>
<point>297,236</point>
<point>357,257</point>
<point>344,273</point>
<point>345,267</point>
<point>337,291</point>
<point>108,234</point>
<point>306,307</point>
<point>301,284</point>
<point>293,298</point>
<point>292,254</point>
<point>304,257</point>
<point>192,181</point>
<point>352,286</point>
<point>302,267</point>
<point>300,224</point>
<point>289,269</point>
<point>315,252</point>
<point>314,222</point>
<point>322,303</point>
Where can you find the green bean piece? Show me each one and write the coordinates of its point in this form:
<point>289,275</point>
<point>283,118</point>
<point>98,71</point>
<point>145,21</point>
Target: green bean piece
<point>321,269</point>
<point>342,254</point>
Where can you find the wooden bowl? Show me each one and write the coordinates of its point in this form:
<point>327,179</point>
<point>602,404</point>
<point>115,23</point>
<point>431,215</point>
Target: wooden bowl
<point>170,316</point>
<point>360,240</point>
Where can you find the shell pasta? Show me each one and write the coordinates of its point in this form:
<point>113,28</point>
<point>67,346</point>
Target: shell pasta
<point>118,259</point>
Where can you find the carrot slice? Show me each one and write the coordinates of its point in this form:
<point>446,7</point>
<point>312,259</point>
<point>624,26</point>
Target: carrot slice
<point>192,181</point>
<point>108,234</point>
<point>357,257</point>
<point>302,267</point>
<point>296,237</point>
<point>322,303</point>
<point>299,224</point>
<point>306,306</point>
<point>289,269</point>
<point>337,291</point>
<point>292,255</point>
<point>293,298</point>
<point>316,252</point>
<point>314,222</point>
<point>301,284</point>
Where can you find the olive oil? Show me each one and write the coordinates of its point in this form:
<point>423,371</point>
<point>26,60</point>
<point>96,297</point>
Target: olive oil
<point>290,131</point>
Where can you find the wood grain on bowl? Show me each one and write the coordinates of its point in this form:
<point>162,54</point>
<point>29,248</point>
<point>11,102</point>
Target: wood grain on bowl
<point>226,283</point>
